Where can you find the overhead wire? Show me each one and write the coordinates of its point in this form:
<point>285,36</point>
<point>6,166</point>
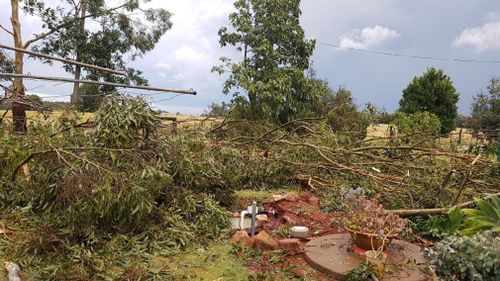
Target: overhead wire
<point>412,56</point>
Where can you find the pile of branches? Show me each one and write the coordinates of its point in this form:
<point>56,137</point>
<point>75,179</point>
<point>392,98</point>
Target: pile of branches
<point>405,171</point>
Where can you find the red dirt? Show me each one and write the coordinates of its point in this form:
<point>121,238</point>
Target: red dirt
<point>296,211</point>
<point>301,213</point>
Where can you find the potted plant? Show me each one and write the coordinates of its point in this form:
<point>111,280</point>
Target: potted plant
<point>369,225</point>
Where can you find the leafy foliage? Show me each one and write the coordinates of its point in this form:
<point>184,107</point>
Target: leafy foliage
<point>473,258</point>
<point>486,217</point>
<point>124,122</point>
<point>486,109</point>
<point>90,98</point>
<point>218,110</point>
<point>276,55</point>
<point>433,92</point>
<point>6,64</point>
<point>118,34</point>
<point>363,272</point>
<point>438,227</point>
<point>423,124</point>
<point>365,216</point>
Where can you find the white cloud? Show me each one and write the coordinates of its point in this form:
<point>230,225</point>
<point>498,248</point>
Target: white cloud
<point>51,98</point>
<point>189,54</point>
<point>163,65</point>
<point>367,37</point>
<point>486,37</point>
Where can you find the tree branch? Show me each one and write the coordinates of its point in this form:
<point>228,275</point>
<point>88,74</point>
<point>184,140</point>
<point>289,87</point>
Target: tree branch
<point>6,30</point>
<point>58,27</point>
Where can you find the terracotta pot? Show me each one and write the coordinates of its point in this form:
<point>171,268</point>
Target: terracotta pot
<point>368,241</point>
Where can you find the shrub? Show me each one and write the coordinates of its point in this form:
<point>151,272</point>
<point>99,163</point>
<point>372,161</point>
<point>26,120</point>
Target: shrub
<point>366,216</point>
<point>424,124</point>
<point>486,217</point>
<point>473,258</point>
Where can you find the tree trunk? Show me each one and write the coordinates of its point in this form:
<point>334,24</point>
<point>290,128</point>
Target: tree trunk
<point>18,109</point>
<point>75,96</point>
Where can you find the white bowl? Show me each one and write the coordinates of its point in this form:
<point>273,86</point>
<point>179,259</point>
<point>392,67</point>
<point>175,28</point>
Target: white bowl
<point>299,232</point>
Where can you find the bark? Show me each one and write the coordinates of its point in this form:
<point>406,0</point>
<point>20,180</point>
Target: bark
<point>435,211</point>
<point>78,70</point>
<point>18,109</point>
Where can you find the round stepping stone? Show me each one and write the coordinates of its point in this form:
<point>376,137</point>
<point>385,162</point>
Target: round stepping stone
<point>334,254</point>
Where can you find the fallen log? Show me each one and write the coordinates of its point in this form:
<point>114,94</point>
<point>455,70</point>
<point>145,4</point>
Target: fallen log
<point>435,211</point>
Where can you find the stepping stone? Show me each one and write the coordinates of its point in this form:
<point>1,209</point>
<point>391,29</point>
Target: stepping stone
<point>334,254</point>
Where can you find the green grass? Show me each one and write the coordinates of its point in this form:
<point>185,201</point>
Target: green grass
<point>214,263</point>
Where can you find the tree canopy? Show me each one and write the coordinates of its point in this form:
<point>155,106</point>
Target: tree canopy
<point>486,108</point>
<point>275,56</point>
<point>90,98</point>
<point>119,34</point>
<point>432,92</point>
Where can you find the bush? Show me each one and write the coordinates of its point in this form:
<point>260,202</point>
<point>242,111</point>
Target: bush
<point>433,92</point>
<point>473,258</point>
<point>421,124</point>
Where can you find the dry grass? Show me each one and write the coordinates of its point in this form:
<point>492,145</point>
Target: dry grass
<point>382,131</point>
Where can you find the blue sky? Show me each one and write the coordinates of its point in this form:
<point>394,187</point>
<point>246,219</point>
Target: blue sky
<point>438,28</point>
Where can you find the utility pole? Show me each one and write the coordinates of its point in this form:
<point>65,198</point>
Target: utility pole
<point>75,96</point>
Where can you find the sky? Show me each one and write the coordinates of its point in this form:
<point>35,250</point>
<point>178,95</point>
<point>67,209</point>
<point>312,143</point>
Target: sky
<point>184,56</point>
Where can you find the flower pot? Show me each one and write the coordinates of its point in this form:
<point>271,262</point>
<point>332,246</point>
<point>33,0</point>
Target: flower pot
<point>368,241</point>
<point>378,261</point>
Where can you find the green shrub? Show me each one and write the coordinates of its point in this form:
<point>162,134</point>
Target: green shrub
<point>473,258</point>
<point>486,217</point>
<point>438,227</point>
<point>421,124</point>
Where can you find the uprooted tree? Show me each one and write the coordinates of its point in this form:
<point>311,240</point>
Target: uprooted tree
<point>270,78</point>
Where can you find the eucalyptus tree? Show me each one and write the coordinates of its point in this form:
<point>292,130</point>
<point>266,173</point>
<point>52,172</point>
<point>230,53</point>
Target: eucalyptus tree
<point>270,78</point>
<point>118,34</point>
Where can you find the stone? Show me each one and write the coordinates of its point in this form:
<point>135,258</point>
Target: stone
<point>278,198</point>
<point>331,254</point>
<point>265,241</point>
<point>292,197</point>
<point>313,201</point>
<point>261,220</point>
<point>241,237</point>
<point>289,244</point>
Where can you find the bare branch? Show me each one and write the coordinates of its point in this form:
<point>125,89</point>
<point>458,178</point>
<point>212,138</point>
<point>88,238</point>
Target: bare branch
<point>6,30</point>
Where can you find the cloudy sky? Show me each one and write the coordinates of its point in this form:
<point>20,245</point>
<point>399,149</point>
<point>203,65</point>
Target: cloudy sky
<point>462,29</point>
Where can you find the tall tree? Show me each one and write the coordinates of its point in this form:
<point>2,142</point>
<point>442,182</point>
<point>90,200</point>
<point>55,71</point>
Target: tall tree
<point>125,29</point>
<point>486,109</point>
<point>275,56</point>
<point>433,92</point>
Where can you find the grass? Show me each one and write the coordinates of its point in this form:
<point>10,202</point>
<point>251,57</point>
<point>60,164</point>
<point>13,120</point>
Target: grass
<point>216,262</point>
<point>262,195</point>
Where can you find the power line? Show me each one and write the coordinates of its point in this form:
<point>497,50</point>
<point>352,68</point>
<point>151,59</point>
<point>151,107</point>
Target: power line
<point>412,56</point>
<point>171,98</point>
<point>118,85</point>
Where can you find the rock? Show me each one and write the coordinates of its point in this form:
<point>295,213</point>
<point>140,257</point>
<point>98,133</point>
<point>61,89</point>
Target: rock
<point>261,220</point>
<point>313,201</point>
<point>265,241</point>
<point>292,197</point>
<point>289,244</point>
<point>241,237</point>
<point>278,198</point>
